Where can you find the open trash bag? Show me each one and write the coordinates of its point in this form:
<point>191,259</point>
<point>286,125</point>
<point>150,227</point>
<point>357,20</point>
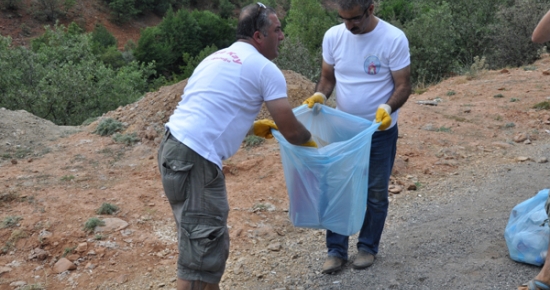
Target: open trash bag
<point>327,186</point>
<point>527,232</point>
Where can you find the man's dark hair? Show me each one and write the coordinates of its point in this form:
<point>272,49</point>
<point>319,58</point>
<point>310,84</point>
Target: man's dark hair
<point>350,4</point>
<point>254,17</point>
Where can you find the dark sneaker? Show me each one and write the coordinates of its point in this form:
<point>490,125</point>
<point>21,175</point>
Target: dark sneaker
<point>363,260</point>
<point>332,264</point>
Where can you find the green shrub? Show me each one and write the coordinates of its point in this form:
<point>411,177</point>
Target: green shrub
<point>511,34</point>
<point>294,55</point>
<point>542,106</point>
<point>92,223</point>
<point>253,141</point>
<point>107,208</point>
<point>10,222</point>
<point>126,139</point>
<point>108,126</point>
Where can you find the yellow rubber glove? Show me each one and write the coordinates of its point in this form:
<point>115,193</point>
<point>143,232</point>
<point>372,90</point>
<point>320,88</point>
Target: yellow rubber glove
<point>310,143</point>
<point>383,116</point>
<point>316,98</point>
<point>263,128</point>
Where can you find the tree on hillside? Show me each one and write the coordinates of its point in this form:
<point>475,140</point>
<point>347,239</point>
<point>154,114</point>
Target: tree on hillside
<point>432,43</point>
<point>308,21</point>
<point>511,35</point>
<point>62,80</point>
<point>165,44</point>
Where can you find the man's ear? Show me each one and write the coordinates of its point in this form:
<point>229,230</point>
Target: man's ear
<point>258,36</point>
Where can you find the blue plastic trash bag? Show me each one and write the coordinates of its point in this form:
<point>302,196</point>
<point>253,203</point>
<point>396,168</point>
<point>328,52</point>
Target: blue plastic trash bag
<point>327,186</point>
<point>527,232</point>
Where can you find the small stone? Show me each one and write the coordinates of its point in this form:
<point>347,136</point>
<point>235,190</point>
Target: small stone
<point>275,247</point>
<point>63,265</point>
<point>522,158</point>
<point>82,247</point>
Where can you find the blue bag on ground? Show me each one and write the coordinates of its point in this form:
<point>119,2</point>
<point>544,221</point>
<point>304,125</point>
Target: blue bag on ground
<point>327,186</point>
<point>527,232</point>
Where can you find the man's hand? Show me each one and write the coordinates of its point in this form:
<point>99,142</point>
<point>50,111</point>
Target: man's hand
<point>263,128</point>
<point>383,116</point>
<point>310,143</point>
<point>316,98</point>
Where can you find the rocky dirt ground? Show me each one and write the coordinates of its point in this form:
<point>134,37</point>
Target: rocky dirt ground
<point>462,165</point>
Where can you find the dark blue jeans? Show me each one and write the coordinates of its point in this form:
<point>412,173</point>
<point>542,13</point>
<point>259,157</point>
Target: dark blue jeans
<point>382,156</point>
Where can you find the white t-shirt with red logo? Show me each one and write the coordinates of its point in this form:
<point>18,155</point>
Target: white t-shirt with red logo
<point>222,98</point>
<point>363,64</point>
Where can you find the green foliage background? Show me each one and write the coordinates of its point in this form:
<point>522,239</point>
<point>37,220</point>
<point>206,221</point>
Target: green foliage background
<point>68,76</point>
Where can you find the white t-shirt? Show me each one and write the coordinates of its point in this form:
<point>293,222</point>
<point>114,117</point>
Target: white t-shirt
<point>363,64</point>
<point>222,98</point>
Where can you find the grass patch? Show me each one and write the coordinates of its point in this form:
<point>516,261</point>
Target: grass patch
<point>68,251</point>
<point>513,100</point>
<point>542,106</point>
<point>509,125</point>
<point>456,118</point>
<point>92,223</point>
<point>126,139</point>
<point>15,236</point>
<point>37,286</point>
<point>530,67</point>
<point>10,222</point>
<point>498,96</point>
<point>107,208</point>
<point>108,127</point>
<point>451,93</point>
<point>22,152</point>
<point>9,197</point>
<point>444,129</point>
<point>67,177</point>
<point>253,141</point>
<point>6,156</point>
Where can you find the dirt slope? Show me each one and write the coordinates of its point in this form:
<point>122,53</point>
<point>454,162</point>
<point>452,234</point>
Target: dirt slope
<point>64,177</point>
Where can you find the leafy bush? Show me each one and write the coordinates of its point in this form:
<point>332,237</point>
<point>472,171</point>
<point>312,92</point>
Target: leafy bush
<point>294,55</point>
<point>102,39</point>
<point>308,21</point>
<point>60,78</point>
<point>542,106</point>
<point>11,4</point>
<point>432,44</point>
<point>107,208</point>
<point>253,141</point>
<point>126,139</point>
<point>193,62</point>
<point>108,126</point>
<point>92,223</point>
<point>10,222</point>
<point>511,35</point>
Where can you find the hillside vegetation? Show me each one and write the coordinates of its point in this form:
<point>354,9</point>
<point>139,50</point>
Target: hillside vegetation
<point>76,68</point>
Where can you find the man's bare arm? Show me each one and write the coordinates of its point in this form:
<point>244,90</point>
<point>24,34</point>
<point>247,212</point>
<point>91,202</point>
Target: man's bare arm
<point>293,131</point>
<point>541,33</point>
<point>402,91</point>
<point>327,81</point>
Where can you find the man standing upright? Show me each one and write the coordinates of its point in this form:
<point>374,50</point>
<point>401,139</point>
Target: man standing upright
<point>217,110</point>
<point>367,61</point>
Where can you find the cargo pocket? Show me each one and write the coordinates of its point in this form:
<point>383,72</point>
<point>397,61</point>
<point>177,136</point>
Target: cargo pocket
<point>204,243</point>
<point>175,179</point>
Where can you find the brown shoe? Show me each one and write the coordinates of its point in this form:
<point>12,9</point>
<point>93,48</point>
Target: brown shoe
<point>363,260</point>
<point>332,264</point>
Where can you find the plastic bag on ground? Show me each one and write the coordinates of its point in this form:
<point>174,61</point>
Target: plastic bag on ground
<point>327,186</point>
<point>527,232</point>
